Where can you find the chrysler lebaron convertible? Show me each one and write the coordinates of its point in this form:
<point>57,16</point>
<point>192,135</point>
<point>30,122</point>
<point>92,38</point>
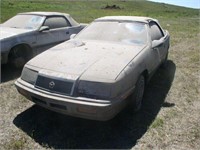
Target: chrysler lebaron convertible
<point>27,34</point>
<point>100,70</point>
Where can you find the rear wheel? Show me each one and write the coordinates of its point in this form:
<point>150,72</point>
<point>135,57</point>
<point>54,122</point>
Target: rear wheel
<point>19,55</point>
<point>137,96</point>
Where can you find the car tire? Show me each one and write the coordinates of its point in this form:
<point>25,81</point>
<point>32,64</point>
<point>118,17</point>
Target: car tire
<point>18,56</point>
<point>137,96</point>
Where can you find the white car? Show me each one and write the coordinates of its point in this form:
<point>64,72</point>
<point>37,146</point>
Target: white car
<point>27,34</point>
<point>93,74</point>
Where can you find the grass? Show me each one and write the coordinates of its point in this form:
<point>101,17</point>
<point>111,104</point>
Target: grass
<point>158,122</point>
<point>86,11</point>
<point>170,115</point>
<point>16,144</point>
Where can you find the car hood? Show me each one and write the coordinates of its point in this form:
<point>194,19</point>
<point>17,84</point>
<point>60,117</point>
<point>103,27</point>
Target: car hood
<point>6,32</point>
<point>87,60</point>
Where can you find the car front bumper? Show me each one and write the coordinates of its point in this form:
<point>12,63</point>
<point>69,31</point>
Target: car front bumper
<point>87,108</point>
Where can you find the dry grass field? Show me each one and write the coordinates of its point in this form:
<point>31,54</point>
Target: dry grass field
<point>169,118</point>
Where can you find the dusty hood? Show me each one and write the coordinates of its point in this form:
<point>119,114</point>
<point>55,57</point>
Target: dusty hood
<point>87,60</point>
<point>6,32</point>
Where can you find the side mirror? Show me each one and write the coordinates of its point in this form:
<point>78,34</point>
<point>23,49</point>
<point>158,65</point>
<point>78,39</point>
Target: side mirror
<point>72,36</point>
<point>44,28</point>
<point>156,43</point>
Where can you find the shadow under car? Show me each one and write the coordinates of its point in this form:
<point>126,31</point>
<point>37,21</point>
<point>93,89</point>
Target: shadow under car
<point>9,72</point>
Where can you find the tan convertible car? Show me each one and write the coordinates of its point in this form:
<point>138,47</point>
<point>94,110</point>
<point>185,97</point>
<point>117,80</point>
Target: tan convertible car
<point>91,75</point>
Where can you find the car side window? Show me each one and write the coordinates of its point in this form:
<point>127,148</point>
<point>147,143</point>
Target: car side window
<point>155,31</point>
<point>56,22</point>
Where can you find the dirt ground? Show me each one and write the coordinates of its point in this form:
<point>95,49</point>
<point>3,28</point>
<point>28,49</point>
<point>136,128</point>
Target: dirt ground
<point>169,118</point>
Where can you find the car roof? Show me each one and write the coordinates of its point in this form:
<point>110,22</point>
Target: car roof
<point>44,13</point>
<point>126,18</point>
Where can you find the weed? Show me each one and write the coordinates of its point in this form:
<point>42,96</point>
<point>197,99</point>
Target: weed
<point>158,122</point>
<point>16,144</point>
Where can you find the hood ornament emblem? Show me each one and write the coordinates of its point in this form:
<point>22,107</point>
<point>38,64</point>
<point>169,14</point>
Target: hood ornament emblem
<point>51,84</point>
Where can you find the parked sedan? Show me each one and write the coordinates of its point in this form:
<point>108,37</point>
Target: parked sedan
<point>27,34</point>
<point>93,74</point>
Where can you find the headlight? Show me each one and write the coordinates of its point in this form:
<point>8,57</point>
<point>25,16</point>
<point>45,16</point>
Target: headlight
<point>29,75</point>
<point>96,90</point>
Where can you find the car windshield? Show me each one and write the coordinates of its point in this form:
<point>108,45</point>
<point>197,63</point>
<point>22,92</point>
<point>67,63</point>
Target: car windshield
<point>123,32</point>
<point>24,22</point>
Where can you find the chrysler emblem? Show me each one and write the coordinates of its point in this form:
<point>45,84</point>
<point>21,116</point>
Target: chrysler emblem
<point>51,84</point>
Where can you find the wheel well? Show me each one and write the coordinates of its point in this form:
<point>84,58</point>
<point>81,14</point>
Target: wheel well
<point>25,48</point>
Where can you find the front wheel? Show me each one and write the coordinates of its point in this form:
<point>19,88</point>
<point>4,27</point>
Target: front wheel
<point>138,93</point>
<point>19,56</point>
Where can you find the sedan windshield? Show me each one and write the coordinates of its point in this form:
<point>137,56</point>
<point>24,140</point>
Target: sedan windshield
<point>24,22</point>
<point>123,32</point>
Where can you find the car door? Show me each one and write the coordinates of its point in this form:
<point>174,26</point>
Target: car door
<point>158,51</point>
<point>51,37</point>
<point>64,30</point>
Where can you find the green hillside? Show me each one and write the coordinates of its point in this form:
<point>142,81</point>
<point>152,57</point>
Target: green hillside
<point>86,11</point>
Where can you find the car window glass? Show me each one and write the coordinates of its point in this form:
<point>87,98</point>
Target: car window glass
<point>123,32</point>
<point>56,22</point>
<point>24,22</point>
<point>155,31</point>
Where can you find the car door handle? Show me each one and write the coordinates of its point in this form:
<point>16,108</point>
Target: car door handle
<point>67,32</point>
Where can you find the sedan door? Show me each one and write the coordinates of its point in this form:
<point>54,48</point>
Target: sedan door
<point>64,33</point>
<point>65,29</point>
<point>53,36</point>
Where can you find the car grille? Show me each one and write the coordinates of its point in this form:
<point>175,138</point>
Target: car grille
<point>61,86</point>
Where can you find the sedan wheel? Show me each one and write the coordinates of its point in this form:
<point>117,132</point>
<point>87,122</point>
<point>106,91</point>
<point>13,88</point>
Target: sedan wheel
<point>17,57</point>
<point>138,93</point>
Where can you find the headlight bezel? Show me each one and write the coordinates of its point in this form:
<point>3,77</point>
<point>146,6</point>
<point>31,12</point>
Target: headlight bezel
<point>93,89</point>
<point>29,75</point>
